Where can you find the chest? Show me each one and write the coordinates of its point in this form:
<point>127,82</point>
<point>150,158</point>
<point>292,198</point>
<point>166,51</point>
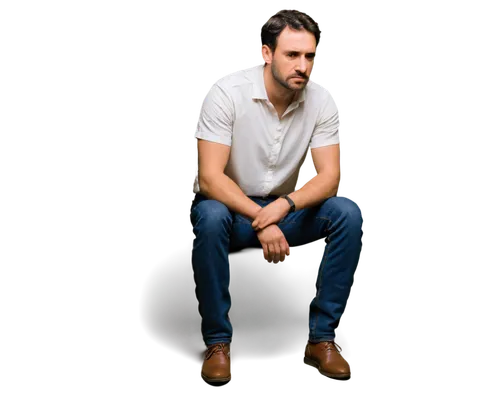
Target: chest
<point>260,129</point>
<point>280,111</point>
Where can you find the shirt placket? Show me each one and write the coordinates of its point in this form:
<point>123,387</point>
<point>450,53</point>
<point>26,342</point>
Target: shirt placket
<point>273,159</point>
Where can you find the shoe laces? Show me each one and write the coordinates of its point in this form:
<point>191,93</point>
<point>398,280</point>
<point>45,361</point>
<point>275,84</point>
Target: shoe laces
<point>216,348</point>
<point>334,346</point>
<point>330,346</point>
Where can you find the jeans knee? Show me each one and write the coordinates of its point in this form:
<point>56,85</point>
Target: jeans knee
<point>211,215</point>
<point>349,210</point>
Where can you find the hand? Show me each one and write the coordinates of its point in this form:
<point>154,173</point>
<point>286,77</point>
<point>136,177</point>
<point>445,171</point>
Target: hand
<point>271,214</point>
<point>273,243</point>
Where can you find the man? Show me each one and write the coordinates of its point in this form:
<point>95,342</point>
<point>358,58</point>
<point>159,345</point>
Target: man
<point>253,134</point>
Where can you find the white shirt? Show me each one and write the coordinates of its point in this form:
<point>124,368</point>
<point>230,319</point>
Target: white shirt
<point>266,152</point>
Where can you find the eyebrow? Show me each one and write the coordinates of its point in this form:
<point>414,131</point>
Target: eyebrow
<point>296,52</point>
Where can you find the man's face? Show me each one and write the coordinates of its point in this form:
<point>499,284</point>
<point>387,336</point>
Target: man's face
<point>293,58</point>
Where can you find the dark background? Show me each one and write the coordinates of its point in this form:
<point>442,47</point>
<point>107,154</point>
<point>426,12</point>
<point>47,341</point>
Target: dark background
<point>133,75</point>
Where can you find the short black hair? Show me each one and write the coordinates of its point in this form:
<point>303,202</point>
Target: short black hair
<point>292,18</point>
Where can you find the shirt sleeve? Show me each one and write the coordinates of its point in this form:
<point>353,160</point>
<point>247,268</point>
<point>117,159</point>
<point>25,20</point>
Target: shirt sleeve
<point>326,130</point>
<point>216,117</point>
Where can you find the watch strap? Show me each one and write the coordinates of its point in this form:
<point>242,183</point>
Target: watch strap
<point>290,201</point>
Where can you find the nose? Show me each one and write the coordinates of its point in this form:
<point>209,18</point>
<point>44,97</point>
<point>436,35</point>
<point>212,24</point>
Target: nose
<point>302,67</point>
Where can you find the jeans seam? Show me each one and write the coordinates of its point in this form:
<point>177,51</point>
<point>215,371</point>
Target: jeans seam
<point>321,267</point>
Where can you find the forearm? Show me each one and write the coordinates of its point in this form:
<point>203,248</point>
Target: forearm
<point>222,188</point>
<point>318,189</point>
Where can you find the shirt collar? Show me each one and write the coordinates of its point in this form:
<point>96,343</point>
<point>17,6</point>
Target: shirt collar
<point>259,88</point>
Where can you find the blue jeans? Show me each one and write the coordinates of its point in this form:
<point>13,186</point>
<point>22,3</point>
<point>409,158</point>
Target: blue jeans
<point>219,231</point>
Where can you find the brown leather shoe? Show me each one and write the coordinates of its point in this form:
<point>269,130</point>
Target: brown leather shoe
<point>216,369</point>
<point>327,359</point>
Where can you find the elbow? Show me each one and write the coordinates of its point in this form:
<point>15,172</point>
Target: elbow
<point>205,182</point>
<point>334,192</point>
<point>334,185</point>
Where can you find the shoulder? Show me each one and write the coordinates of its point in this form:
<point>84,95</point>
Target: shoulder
<point>237,83</point>
<point>317,94</point>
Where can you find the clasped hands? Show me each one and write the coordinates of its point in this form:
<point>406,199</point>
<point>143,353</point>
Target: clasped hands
<point>270,236</point>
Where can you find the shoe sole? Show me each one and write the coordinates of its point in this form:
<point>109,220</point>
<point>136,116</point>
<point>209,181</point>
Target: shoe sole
<point>312,363</point>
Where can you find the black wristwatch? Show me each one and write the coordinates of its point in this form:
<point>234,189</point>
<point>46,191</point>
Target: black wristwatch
<point>290,201</point>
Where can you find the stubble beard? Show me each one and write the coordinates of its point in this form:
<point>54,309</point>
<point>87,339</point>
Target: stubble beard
<point>284,83</point>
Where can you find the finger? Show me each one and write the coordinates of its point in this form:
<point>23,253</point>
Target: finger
<point>263,222</point>
<point>263,225</point>
<point>277,253</point>
<point>283,250</point>
<point>271,252</point>
<point>255,222</point>
<point>288,250</point>
<point>266,252</point>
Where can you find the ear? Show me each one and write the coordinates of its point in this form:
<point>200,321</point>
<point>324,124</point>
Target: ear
<point>267,54</point>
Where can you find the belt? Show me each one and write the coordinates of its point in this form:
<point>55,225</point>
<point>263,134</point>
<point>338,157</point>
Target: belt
<point>269,196</point>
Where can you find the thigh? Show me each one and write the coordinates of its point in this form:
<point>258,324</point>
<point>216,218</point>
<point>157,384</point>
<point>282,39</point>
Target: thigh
<point>210,216</point>
<point>310,224</point>
<point>243,235</point>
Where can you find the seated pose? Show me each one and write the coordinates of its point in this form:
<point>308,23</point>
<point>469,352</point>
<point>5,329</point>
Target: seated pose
<point>253,133</point>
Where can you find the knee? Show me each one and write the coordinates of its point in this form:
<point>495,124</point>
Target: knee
<point>348,210</point>
<point>211,215</point>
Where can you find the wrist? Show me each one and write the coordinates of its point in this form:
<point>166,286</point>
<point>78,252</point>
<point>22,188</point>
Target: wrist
<point>285,204</point>
<point>256,211</point>
<point>289,202</point>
